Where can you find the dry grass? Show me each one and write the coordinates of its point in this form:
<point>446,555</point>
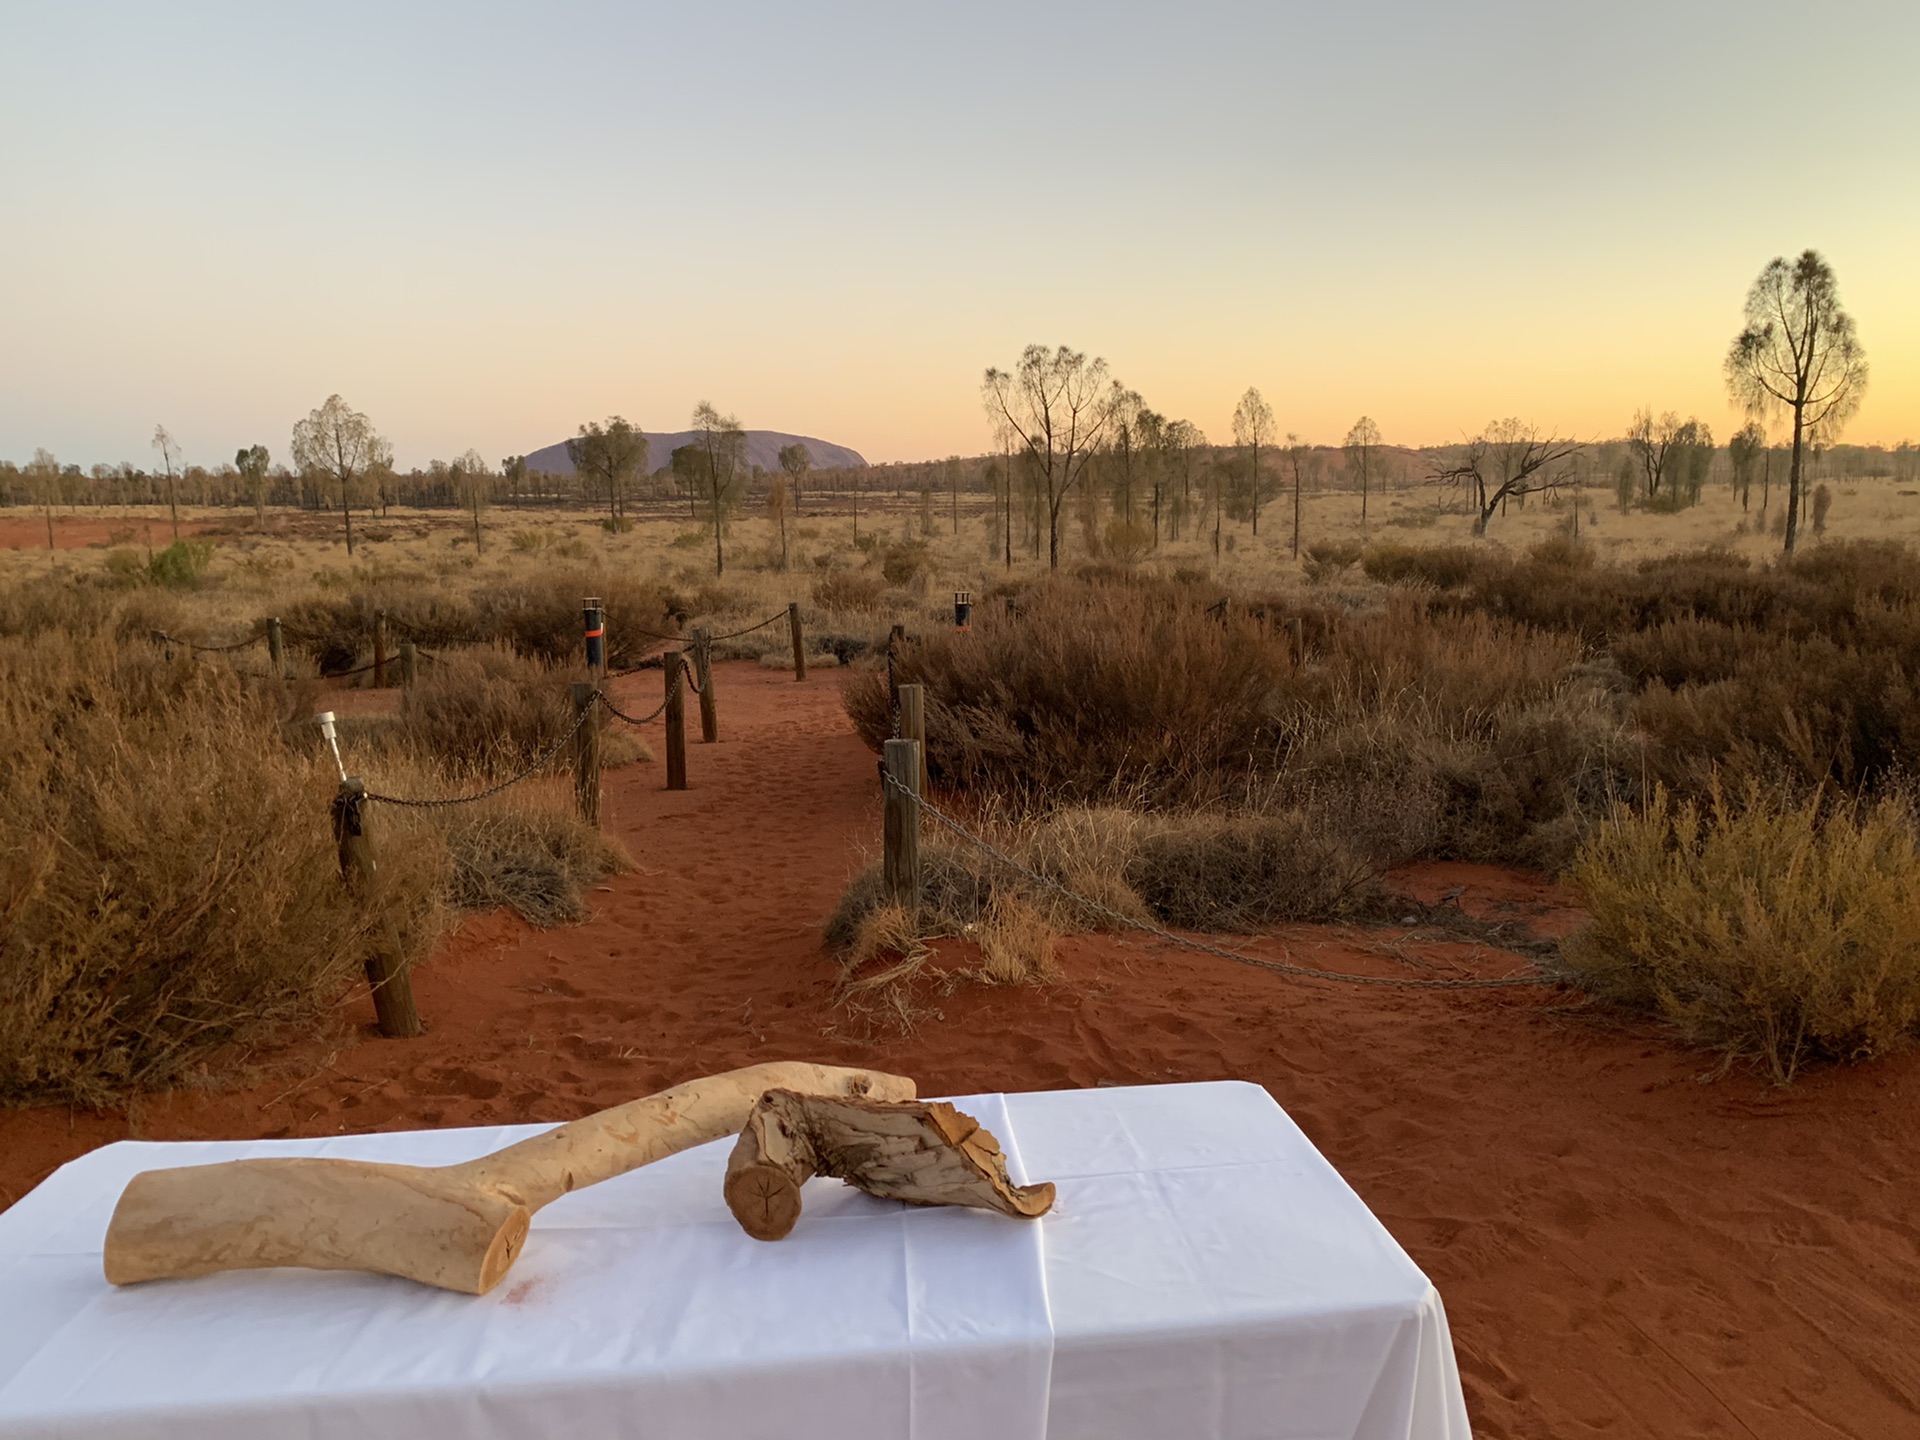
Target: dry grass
<point>1772,930</point>
<point>169,891</point>
<point>533,859</point>
<point>168,886</point>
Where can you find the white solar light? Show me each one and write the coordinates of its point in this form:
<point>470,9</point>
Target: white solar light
<point>332,732</point>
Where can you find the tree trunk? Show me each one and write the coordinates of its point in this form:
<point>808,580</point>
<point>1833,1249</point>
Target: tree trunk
<point>1793,481</point>
<point>346,514</point>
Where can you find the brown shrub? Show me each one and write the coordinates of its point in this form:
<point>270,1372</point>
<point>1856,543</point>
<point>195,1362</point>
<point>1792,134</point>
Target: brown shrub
<point>1246,873</point>
<point>849,590</point>
<point>168,887</point>
<point>485,711</point>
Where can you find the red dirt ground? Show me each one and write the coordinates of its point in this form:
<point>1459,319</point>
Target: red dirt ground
<point>76,532</point>
<point>1625,1247</point>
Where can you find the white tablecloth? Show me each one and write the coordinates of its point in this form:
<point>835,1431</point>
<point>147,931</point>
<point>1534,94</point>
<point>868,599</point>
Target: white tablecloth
<point>1204,1273</point>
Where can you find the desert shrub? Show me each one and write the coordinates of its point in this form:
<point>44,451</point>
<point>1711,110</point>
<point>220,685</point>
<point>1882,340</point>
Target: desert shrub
<point>1086,690</point>
<point>1327,559</point>
<point>905,562</point>
<point>168,885</point>
<point>536,860</point>
<point>1770,929</point>
<point>485,711</point>
<point>1445,567</point>
<point>1245,873</point>
<point>853,590</point>
<point>955,890</point>
<point>181,565</point>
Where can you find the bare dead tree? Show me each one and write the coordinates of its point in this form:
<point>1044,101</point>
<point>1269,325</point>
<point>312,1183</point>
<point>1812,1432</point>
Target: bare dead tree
<point>1509,460</point>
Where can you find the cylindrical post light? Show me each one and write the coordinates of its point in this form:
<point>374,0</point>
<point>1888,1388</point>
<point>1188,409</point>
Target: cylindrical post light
<point>594,623</point>
<point>963,609</point>
<point>332,733</point>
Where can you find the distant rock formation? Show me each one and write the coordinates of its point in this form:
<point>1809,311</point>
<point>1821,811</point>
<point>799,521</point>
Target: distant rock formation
<point>763,449</point>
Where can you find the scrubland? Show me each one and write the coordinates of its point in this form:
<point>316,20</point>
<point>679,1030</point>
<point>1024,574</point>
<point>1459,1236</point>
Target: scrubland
<point>1714,743</point>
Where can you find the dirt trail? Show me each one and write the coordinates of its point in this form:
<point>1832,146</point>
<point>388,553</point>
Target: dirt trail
<point>1623,1249</point>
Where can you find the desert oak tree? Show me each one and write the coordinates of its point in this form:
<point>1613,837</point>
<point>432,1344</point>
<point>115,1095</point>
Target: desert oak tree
<point>1058,403</point>
<point>1253,428</point>
<point>611,454</point>
<point>339,443</point>
<point>1798,354</point>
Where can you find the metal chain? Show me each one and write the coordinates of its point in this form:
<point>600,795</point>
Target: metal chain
<point>1282,967</point>
<point>736,634</point>
<point>487,794</point>
<point>646,720</point>
<point>198,648</point>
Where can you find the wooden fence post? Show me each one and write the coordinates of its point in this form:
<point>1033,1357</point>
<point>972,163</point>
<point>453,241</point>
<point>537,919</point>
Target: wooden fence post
<point>407,654</point>
<point>703,672</point>
<point>900,864</point>
<point>586,752</point>
<point>674,664</point>
<point>277,648</point>
<point>913,725</point>
<point>379,649</point>
<point>386,962</point>
<point>799,640</point>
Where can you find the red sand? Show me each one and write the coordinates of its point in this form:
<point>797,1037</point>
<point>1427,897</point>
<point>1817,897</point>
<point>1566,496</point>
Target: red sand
<point>1625,1248</point>
<point>76,532</point>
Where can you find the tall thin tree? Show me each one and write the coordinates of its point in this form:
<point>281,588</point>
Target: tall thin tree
<point>1252,429</point>
<point>1798,353</point>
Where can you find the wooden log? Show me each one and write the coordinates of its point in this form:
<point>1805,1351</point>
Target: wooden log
<point>673,664</point>
<point>913,724</point>
<point>703,673</point>
<point>386,962</point>
<point>799,640</point>
<point>900,859</point>
<point>408,663</point>
<point>459,1227</point>
<point>586,751</point>
<point>922,1152</point>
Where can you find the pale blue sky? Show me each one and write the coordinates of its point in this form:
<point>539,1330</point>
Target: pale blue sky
<point>483,224</point>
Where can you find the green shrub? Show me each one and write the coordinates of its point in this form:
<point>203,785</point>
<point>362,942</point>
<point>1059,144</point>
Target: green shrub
<point>181,565</point>
<point>1766,929</point>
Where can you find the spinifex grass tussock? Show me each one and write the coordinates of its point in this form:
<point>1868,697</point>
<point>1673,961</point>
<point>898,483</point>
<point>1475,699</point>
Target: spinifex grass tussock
<point>1771,930</point>
<point>169,891</point>
<point>529,857</point>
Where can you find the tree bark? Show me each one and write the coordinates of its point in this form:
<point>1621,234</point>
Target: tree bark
<point>925,1153</point>
<point>458,1227</point>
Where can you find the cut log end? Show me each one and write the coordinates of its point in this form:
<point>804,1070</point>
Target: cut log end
<point>764,1199</point>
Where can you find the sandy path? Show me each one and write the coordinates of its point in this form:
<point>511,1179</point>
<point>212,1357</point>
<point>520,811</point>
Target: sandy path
<point>1623,1251</point>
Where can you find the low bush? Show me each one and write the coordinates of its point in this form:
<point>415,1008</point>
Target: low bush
<point>485,711</point>
<point>534,860</point>
<point>168,885</point>
<point>1766,929</point>
<point>1229,873</point>
<point>849,590</point>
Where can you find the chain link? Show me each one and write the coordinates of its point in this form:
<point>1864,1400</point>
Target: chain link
<point>736,634</point>
<point>199,649</point>
<point>487,794</point>
<point>658,710</point>
<point>1283,967</point>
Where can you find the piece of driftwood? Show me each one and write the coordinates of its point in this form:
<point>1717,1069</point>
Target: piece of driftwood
<point>459,1227</point>
<point>923,1152</point>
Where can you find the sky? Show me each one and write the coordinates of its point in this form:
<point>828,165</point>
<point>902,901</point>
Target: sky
<point>484,224</point>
